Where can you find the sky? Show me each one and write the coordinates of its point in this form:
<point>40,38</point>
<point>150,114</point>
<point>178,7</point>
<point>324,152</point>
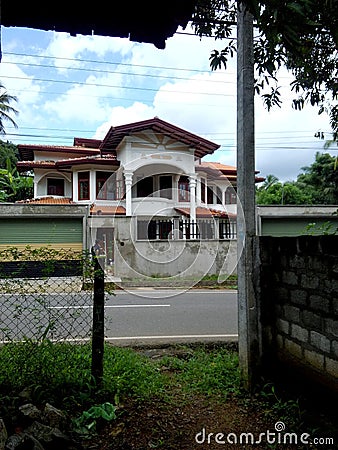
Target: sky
<point>80,86</point>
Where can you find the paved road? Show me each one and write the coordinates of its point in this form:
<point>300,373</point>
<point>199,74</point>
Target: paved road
<point>132,317</point>
<point>164,316</point>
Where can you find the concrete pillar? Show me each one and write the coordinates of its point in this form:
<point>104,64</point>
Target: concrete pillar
<point>75,185</point>
<point>128,176</point>
<point>193,224</point>
<point>175,188</point>
<point>248,316</point>
<point>92,185</point>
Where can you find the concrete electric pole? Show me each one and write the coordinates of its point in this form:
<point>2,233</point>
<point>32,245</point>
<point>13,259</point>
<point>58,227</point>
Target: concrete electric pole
<point>248,311</point>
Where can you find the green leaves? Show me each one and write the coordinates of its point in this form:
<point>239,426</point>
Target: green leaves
<point>272,99</point>
<point>300,34</point>
<point>88,420</point>
<point>5,109</point>
<point>219,59</point>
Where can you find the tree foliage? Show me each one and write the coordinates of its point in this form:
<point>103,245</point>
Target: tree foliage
<point>13,186</point>
<point>299,34</point>
<point>318,184</point>
<point>6,110</point>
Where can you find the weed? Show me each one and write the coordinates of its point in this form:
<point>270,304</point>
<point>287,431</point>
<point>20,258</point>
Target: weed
<point>88,421</point>
<point>285,410</point>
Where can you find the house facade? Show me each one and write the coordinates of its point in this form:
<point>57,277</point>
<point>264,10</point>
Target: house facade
<point>145,181</point>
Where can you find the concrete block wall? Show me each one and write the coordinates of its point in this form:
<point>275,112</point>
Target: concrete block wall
<point>299,304</point>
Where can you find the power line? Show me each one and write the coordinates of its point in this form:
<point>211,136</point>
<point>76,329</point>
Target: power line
<point>115,86</point>
<point>95,61</point>
<point>115,73</point>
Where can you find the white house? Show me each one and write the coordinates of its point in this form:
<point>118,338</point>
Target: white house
<point>149,176</point>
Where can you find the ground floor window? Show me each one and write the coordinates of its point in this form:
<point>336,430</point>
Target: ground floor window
<point>154,229</point>
<point>204,229</point>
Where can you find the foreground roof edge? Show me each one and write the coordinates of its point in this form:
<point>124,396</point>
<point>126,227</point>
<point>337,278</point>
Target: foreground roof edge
<point>149,21</point>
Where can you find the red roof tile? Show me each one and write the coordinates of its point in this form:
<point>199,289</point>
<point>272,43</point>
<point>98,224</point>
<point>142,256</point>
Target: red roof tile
<point>202,212</point>
<point>116,134</point>
<point>48,201</point>
<point>104,210</point>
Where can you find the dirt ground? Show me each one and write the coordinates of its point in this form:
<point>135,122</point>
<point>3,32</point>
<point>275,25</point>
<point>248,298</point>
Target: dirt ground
<point>176,426</point>
<point>179,426</point>
<point>190,421</point>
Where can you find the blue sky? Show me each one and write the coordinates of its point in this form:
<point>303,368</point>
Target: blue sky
<point>80,86</point>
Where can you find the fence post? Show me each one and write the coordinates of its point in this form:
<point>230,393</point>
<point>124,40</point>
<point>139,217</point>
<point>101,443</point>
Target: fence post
<point>98,323</point>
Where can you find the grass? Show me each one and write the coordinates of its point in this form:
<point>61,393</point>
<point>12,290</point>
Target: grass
<point>207,372</point>
<point>61,374</point>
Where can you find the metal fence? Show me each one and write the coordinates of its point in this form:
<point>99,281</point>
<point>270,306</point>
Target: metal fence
<point>204,229</point>
<point>45,294</point>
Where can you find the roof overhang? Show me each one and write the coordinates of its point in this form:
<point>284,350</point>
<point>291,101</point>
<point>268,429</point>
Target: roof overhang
<point>26,151</point>
<point>116,134</point>
<point>147,21</point>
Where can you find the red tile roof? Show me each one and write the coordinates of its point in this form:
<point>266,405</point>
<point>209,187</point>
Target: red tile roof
<point>202,212</point>
<point>116,134</point>
<point>27,150</point>
<point>98,210</point>
<point>48,201</point>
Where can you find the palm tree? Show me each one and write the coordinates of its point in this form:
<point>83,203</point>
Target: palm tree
<point>270,180</point>
<point>5,109</point>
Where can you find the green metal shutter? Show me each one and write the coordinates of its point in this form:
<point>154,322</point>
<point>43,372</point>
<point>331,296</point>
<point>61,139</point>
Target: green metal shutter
<point>58,233</point>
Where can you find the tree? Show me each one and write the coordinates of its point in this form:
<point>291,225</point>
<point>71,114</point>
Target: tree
<point>318,184</point>
<point>299,34</point>
<point>8,155</point>
<point>277,193</point>
<point>13,186</point>
<point>322,178</point>
<point>5,109</point>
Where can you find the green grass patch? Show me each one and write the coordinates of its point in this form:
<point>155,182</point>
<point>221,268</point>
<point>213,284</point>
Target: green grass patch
<point>61,372</point>
<point>206,371</point>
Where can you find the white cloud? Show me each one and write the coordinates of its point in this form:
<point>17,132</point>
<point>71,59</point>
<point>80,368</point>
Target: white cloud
<point>74,48</point>
<point>122,115</point>
<point>27,91</point>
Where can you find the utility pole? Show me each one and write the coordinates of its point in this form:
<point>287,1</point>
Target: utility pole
<point>248,315</point>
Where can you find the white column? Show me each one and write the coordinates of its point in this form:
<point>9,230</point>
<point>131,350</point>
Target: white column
<point>128,176</point>
<point>92,185</point>
<point>192,183</point>
<point>36,189</point>
<point>224,189</point>
<point>175,188</point>
<point>75,186</point>
<point>198,192</point>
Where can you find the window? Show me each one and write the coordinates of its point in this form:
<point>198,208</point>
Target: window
<point>210,195</point>
<point>203,190</point>
<point>154,229</point>
<point>105,187</point>
<point>166,186</point>
<point>145,187</point>
<point>56,186</point>
<point>183,189</point>
<point>218,196</point>
<point>230,196</point>
<point>84,191</point>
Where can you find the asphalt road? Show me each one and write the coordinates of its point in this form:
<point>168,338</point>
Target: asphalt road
<point>163,316</point>
<point>131,317</point>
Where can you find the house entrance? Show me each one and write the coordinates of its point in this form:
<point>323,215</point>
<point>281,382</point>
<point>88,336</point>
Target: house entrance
<point>105,238</point>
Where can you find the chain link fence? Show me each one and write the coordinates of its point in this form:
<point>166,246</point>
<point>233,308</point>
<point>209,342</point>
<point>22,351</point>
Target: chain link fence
<point>45,294</point>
